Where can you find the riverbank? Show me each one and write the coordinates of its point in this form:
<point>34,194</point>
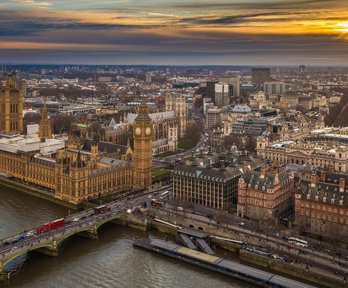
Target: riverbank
<point>37,193</point>
<point>300,273</point>
<point>138,221</point>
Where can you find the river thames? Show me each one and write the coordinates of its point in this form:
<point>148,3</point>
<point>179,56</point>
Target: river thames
<point>108,262</point>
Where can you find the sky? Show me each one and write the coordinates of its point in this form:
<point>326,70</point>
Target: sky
<point>174,32</point>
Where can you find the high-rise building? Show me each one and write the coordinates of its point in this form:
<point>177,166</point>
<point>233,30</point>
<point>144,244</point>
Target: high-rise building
<point>273,88</point>
<point>142,151</point>
<point>213,117</point>
<point>222,97</point>
<point>233,85</point>
<point>11,106</point>
<point>148,77</point>
<point>260,75</point>
<point>302,68</point>
<point>210,88</point>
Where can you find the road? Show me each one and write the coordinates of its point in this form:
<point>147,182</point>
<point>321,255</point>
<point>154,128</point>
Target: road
<point>76,222</point>
<point>319,261</point>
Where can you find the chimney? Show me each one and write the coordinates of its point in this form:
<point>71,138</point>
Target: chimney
<point>314,180</point>
<point>245,168</point>
<point>263,172</point>
<point>322,176</point>
<point>342,184</point>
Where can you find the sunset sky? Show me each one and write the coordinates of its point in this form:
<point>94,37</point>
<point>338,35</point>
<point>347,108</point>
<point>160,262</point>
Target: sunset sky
<point>173,32</point>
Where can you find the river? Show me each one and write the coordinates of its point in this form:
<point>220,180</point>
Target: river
<point>108,262</point>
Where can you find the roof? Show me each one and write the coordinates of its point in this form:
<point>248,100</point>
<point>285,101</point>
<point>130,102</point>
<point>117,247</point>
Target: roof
<point>255,180</point>
<point>109,148</point>
<point>206,173</point>
<point>154,116</point>
<point>324,191</point>
<point>193,232</point>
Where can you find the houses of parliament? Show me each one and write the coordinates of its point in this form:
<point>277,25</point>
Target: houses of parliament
<point>70,170</point>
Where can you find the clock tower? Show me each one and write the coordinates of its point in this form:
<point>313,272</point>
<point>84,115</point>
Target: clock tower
<point>142,150</point>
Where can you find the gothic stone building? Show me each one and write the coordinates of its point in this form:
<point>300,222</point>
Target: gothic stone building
<point>167,127</point>
<point>74,174</point>
<point>11,106</point>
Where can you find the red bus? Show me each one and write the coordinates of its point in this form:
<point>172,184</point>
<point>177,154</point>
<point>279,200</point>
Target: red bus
<point>51,225</point>
<point>57,223</point>
<point>100,209</point>
<point>43,228</point>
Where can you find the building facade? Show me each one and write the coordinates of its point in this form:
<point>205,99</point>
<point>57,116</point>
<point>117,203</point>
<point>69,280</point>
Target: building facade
<point>213,118</point>
<point>321,204</point>
<point>142,155</point>
<point>206,186</point>
<point>222,96</point>
<point>213,183</point>
<point>11,105</point>
<point>74,171</point>
<point>265,195</point>
<point>322,151</point>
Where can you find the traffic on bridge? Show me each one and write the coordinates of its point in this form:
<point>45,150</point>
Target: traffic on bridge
<point>47,237</point>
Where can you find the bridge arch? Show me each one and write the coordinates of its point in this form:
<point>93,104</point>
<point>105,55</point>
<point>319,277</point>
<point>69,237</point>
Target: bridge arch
<point>8,260</point>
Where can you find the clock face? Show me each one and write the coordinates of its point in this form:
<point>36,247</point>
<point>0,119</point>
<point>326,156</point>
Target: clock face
<point>148,131</point>
<point>137,131</point>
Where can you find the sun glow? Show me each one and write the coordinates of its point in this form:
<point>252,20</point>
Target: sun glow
<point>343,26</point>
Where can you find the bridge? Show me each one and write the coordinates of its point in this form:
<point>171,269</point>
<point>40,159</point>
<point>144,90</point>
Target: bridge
<point>84,223</point>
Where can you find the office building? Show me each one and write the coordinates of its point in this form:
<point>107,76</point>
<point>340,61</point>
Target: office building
<point>222,97</point>
<point>213,117</point>
<point>233,85</point>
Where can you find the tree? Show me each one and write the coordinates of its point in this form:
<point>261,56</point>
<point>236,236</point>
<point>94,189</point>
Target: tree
<point>338,114</point>
<point>192,137</point>
<point>250,144</point>
<point>231,140</point>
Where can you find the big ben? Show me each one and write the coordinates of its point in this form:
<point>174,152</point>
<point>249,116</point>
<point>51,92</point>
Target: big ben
<point>142,154</point>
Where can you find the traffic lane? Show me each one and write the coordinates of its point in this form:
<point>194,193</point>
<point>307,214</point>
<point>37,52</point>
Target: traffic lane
<point>290,253</point>
<point>86,218</point>
<point>237,230</point>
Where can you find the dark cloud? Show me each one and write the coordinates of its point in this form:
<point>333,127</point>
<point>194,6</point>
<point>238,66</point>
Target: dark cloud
<point>25,25</point>
<point>262,5</point>
<point>244,18</point>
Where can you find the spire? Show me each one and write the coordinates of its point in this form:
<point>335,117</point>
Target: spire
<point>45,131</point>
<point>143,112</point>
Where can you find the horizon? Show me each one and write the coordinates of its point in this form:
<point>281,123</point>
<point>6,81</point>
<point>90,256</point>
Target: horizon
<point>193,32</point>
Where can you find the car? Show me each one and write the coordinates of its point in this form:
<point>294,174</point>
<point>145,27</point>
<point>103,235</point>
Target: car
<point>29,234</point>
<point>75,219</point>
<point>241,224</point>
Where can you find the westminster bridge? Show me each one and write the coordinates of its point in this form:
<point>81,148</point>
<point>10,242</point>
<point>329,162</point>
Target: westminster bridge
<point>85,223</point>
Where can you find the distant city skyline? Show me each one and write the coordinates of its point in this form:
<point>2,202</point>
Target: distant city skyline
<point>264,32</point>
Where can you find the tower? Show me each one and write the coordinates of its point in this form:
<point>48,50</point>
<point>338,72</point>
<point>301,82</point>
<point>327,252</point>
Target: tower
<point>180,110</point>
<point>142,150</point>
<point>45,130</point>
<point>11,105</point>
<point>178,104</point>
